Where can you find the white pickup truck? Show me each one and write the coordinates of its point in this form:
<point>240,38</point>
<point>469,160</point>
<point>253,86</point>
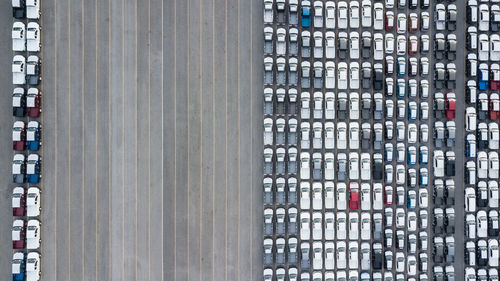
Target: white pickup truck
<point>33,9</point>
<point>33,37</point>
<point>18,37</point>
<point>19,70</point>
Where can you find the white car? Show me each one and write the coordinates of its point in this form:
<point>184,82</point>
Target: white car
<point>329,135</point>
<point>495,47</point>
<point>482,165</point>
<point>412,221</point>
<point>438,163</point>
<point>493,194</point>
<point>389,43</point>
<point>341,196</point>
<point>366,13</point>
<point>33,266</point>
<point>365,166</point>
<point>354,76</point>
<point>341,135</point>
<point>401,23</point>
<point>354,14</point>
<point>18,37</point>
<point>470,119</point>
<point>33,37</point>
<point>33,234</point>
<point>353,255</point>
<point>378,46</point>
<point>330,75</point>
<point>353,226</point>
<point>305,226</point>
<point>378,201</point>
<point>329,226</point>
<point>305,164</point>
<point>412,133</point>
<point>365,226</point>
<point>33,202</point>
<point>341,255</point>
<point>330,106</point>
<point>484,47</point>
<point>341,226</point>
<point>440,17</point>
<point>329,255</point>
<point>317,198</point>
<point>330,14</point>
<point>400,218</point>
<point>401,46</point>
<point>400,262</point>
<point>470,199</point>
<point>423,198</point>
<point>482,224</point>
<point>354,135</point>
<point>353,165</point>
<point>493,165</point>
<point>412,266</point>
<point>484,17</point>
<point>354,48</point>
<point>342,16</point>
<point>378,16</point>
<point>305,197</point>
<point>330,47</point>
<point>19,70</point>
<point>318,14</point>
<point>365,196</point>
<point>329,166</point>
<point>342,76</point>
<point>33,9</point>
<point>493,252</point>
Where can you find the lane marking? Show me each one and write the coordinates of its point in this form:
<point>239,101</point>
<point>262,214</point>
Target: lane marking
<point>226,204</point>
<point>123,139</point>
<point>213,140</point>
<point>175,140</point>
<point>96,140</point>
<point>239,144</point>
<point>83,139</point>
<point>201,139</point>
<point>162,136</point>
<point>109,142</point>
<point>136,140</point>
<point>149,142</point>
<point>55,139</point>
<point>69,140</point>
<point>188,133</point>
<point>251,141</point>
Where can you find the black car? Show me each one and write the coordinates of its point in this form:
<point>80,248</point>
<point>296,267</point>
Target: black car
<point>424,4</point>
<point>493,223</point>
<point>482,194</point>
<point>366,46</point>
<point>438,195</point>
<point>439,76</point>
<point>451,18</point>
<point>366,106</point>
<point>342,107</point>
<point>482,253</point>
<point>450,221</point>
<point>438,221</point>
<point>450,192</point>
<point>451,47</point>
<point>378,169</point>
<point>450,164</point>
<point>438,250</point>
<point>19,103</point>
<point>378,78</point>
<point>343,45</point>
<point>19,9</point>
<point>377,256</point>
<point>367,76</point>
<point>439,46</point>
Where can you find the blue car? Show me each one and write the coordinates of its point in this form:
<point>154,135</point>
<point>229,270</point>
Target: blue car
<point>33,136</point>
<point>401,88</point>
<point>483,77</point>
<point>423,155</point>
<point>33,168</point>
<point>306,14</point>
<point>401,67</point>
<point>18,266</point>
<point>412,199</point>
<point>412,155</point>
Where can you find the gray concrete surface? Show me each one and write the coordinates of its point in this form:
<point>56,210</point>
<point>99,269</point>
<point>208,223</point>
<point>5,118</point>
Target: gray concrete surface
<point>152,140</point>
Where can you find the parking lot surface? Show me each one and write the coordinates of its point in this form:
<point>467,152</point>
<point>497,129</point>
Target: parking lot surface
<point>150,138</point>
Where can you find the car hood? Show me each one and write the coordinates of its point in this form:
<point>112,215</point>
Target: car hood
<point>16,169</point>
<point>16,101</point>
<point>16,202</point>
<point>30,135</point>
<point>16,34</point>
<point>16,235</point>
<point>30,101</point>
<point>31,68</point>
<point>16,68</point>
<point>31,169</point>
<point>16,268</point>
<point>16,135</point>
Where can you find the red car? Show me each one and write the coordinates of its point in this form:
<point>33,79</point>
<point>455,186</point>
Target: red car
<point>450,106</point>
<point>389,21</point>
<point>18,202</point>
<point>19,136</point>
<point>353,196</point>
<point>494,107</point>
<point>18,234</point>
<point>494,77</point>
<point>33,102</point>
<point>388,195</point>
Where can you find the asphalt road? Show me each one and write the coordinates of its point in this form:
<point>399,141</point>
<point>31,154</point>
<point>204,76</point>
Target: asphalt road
<point>152,140</point>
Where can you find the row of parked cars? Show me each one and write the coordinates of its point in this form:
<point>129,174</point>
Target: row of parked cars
<point>26,140</point>
<point>481,193</point>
